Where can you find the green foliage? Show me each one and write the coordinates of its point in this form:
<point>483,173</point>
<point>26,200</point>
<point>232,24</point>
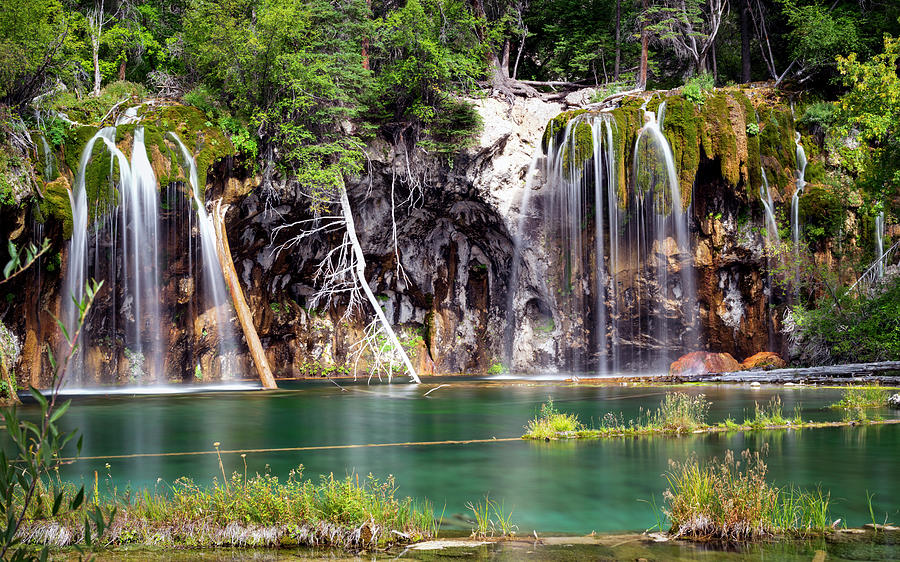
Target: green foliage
<point>871,110</point>
<point>696,89</point>
<point>820,114</point>
<point>772,414</point>
<point>495,369</point>
<point>857,330</point>
<point>821,213</point>
<point>819,33</point>
<point>37,453</point>
<point>30,31</point>
<point>293,70</point>
<point>424,53</point>
<point>752,129</point>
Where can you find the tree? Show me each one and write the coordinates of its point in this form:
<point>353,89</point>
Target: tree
<point>688,26</point>
<point>32,33</point>
<point>870,110</point>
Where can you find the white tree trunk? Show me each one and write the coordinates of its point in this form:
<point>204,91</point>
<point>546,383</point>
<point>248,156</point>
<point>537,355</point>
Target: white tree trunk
<point>360,269</point>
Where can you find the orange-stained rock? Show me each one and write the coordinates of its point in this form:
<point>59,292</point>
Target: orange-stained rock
<point>703,362</point>
<point>764,360</point>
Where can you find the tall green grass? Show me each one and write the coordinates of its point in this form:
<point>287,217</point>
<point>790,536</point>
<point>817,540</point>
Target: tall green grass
<point>868,396</point>
<point>551,422</point>
<point>731,499</point>
<point>260,510</point>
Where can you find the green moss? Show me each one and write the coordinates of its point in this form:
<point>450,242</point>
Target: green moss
<point>776,145</point>
<point>56,204</point>
<point>629,120</point>
<point>556,127</point>
<point>682,129</point>
<point>821,212</point>
<point>205,141</point>
<point>718,139</point>
<point>754,179</point>
<point>580,149</point>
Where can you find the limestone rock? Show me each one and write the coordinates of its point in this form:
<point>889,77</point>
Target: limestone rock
<point>764,360</point>
<point>704,362</point>
<point>894,401</point>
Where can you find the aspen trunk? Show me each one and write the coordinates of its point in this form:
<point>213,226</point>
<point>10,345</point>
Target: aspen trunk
<point>237,296</point>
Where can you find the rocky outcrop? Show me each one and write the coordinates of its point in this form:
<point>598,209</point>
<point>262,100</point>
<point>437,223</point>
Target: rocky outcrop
<point>704,362</point>
<point>764,360</point>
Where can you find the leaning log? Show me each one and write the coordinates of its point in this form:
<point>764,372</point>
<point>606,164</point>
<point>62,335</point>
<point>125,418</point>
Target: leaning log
<point>237,296</point>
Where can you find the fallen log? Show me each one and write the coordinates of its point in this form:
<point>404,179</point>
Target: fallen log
<point>237,296</point>
<point>850,371</point>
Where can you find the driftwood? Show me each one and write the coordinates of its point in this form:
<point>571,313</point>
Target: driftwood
<point>860,372</point>
<point>240,304</point>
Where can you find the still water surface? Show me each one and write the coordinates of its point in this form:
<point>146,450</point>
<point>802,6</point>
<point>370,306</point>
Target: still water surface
<point>572,487</point>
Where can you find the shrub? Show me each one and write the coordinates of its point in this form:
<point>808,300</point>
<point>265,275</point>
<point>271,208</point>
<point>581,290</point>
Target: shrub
<point>696,88</point>
<point>861,329</point>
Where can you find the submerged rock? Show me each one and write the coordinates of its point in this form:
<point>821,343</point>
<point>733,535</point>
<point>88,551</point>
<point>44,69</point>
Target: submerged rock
<point>704,362</point>
<point>764,360</point>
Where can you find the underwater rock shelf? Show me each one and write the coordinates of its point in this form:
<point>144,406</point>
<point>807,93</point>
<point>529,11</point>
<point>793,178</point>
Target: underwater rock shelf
<point>720,428</point>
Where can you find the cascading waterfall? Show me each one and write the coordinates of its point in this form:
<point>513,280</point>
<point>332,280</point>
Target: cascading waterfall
<point>795,204</point>
<point>515,264</point>
<point>772,240</point>
<point>795,199</point>
<point>213,279</point>
<point>626,290</point>
<point>879,242</point>
<point>125,248</point>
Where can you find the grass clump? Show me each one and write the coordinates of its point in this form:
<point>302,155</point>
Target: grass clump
<point>730,499</point>
<point>772,414</point>
<point>491,518</point>
<point>259,510</point>
<point>551,422</point>
<point>681,413</point>
<point>868,396</point>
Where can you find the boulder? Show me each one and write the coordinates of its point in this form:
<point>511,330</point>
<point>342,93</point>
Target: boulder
<point>764,360</point>
<point>704,362</point>
<point>894,401</point>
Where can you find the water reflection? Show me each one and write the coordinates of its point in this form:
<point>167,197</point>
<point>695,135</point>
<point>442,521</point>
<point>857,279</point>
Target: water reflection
<point>560,486</point>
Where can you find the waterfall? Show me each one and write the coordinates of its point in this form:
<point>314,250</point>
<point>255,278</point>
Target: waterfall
<point>214,281</point>
<point>765,195</point>
<point>48,160</point>
<point>795,205</point>
<point>879,242</point>
<point>626,294</point>
<point>127,248</point>
<point>76,271</point>
<point>515,263</point>
<point>795,199</point>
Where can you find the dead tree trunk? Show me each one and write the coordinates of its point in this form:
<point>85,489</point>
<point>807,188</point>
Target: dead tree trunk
<point>240,304</point>
<point>618,39</point>
<point>645,50</point>
<point>744,14</point>
<point>360,272</point>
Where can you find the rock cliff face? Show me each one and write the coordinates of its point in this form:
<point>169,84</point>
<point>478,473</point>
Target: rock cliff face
<point>460,247</point>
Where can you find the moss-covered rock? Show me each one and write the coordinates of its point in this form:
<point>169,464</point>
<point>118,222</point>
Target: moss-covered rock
<point>56,204</point>
<point>718,138</point>
<point>682,129</point>
<point>776,147</point>
<point>555,128</point>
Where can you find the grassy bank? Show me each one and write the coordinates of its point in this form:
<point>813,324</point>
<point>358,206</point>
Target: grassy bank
<point>730,499</point>
<point>678,413</point>
<point>261,511</point>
